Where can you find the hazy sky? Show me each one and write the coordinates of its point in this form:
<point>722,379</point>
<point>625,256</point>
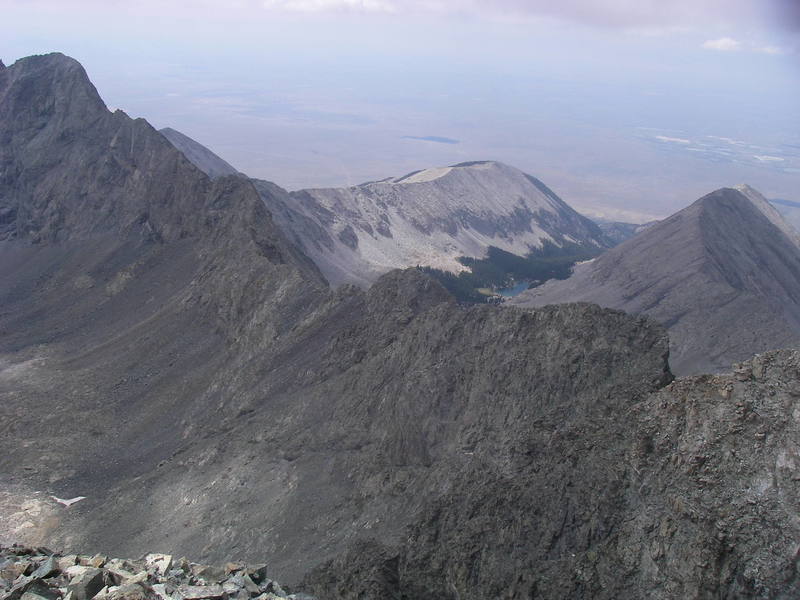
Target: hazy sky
<point>629,108</point>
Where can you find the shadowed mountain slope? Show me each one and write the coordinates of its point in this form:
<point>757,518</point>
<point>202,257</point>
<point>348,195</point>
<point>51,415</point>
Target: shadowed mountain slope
<point>169,354</point>
<point>723,275</point>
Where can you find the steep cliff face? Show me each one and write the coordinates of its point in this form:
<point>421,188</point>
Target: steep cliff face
<point>723,275</point>
<point>94,200</point>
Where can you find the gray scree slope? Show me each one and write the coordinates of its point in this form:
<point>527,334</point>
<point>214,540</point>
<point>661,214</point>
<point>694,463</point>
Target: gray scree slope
<point>168,354</point>
<point>722,274</point>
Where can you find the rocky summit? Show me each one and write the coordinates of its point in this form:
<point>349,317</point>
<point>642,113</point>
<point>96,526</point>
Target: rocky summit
<point>177,375</point>
<point>40,574</point>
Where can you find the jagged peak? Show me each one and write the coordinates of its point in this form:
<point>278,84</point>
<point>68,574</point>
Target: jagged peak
<point>56,75</point>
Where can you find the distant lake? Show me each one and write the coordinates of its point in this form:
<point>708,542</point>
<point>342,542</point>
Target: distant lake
<point>513,291</point>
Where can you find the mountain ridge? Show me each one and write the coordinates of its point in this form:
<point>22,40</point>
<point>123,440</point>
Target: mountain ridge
<point>194,377</point>
<point>169,359</point>
<point>440,216</point>
<point>720,274</point>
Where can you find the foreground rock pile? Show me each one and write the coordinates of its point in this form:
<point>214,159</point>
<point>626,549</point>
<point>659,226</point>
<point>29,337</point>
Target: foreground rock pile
<point>40,574</point>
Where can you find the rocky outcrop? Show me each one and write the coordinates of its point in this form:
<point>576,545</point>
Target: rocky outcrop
<point>40,574</point>
<point>691,495</point>
<point>722,274</point>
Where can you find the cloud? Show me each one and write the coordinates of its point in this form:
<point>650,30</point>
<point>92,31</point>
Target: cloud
<point>628,14</point>
<point>725,44</point>
<point>319,6</point>
<point>648,16</point>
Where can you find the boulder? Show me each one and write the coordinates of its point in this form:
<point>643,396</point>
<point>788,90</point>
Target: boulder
<point>199,592</point>
<point>87,584</point>
<point>257,573</point>
<point>65,562</point>
<point>131,591</point>
<point>161,563</point>
<point>40,591</point>
<point>209,574</point>
<point>46,569</point>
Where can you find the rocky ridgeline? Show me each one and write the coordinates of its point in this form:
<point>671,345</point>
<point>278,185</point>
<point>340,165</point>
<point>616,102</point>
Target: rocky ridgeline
<point>41,574</point>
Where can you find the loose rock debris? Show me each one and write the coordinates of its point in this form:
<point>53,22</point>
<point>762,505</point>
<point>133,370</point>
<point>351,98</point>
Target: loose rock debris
<point>36,573</point>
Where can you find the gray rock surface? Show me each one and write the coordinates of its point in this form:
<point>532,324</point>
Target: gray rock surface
<point>429,218</point>
<point>169,354</point>
<point>692,494</point>
<point>200,156</point>
<point>723,275</point>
